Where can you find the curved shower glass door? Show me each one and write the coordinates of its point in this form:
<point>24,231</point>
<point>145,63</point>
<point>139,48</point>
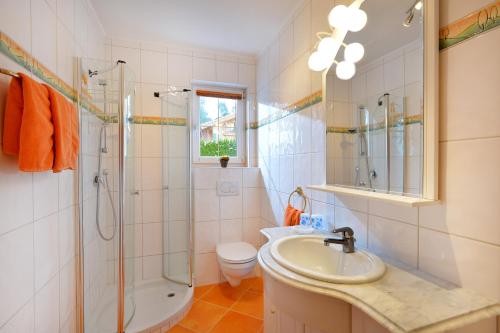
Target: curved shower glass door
<point>106,197</point>
<point>126,163</point>
<point>176,182</point>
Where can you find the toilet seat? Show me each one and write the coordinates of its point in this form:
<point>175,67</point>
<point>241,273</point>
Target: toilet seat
<point>236,253</point>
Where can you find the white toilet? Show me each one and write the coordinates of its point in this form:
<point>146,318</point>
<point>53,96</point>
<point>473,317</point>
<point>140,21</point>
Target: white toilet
<point>236,260</point>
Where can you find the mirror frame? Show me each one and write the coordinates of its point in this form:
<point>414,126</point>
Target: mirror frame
<point>430,163</point>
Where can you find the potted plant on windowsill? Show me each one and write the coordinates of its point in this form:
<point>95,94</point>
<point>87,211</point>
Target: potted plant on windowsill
<point>224,160</point>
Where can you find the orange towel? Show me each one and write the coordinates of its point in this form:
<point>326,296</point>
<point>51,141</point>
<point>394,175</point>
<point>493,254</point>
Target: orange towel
<point>66,136</point>
<point>12,118</point>
<point>292,216</point>
<point>28,128</point>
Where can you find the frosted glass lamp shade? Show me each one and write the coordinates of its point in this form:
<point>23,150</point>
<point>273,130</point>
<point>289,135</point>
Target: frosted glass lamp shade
<point>317,62</point>
<point>354,52</point>
<point>357,19</point>
<point>328,47</point>
<point>338,17</point>
<point>345,70</point>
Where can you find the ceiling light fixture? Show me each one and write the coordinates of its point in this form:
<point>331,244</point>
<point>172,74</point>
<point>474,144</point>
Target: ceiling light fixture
<point>410,13</point>
<point>342,19</point>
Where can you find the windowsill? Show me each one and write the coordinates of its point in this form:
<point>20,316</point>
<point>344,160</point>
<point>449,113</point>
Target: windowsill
<point>214,166</point>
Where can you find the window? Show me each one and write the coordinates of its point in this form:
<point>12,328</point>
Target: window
<point>219,124</point>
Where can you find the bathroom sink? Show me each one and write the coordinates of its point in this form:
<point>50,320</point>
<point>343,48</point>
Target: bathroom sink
<point>308,256</point>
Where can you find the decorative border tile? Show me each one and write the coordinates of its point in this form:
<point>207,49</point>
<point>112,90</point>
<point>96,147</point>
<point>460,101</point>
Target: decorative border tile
<point>16,53</point>
<point>285,111</point>
<point>150,120</point>
<point>471,25</point>
<point>410,120</point>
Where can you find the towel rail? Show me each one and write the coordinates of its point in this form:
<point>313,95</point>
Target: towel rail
<point>8,72</point>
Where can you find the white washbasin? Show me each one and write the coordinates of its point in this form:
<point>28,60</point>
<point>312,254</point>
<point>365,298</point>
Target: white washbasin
<point>307,255</point>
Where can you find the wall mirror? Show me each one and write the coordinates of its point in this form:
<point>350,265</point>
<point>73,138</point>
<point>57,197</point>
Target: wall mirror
<point>382,122</point>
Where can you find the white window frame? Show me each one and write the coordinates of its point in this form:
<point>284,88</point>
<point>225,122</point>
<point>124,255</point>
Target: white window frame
<point>241,147</point>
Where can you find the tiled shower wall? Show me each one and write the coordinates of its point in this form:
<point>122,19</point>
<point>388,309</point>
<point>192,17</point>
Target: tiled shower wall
<point>157,66</point>
<point>37,229</point>
<point>457,240</point>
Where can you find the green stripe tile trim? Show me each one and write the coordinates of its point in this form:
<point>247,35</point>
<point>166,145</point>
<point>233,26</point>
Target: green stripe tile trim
<point>286,111</point>
<point>410,120</point>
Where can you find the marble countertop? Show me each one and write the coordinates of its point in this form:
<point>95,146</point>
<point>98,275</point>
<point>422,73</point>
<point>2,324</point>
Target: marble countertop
<point>403,300</point>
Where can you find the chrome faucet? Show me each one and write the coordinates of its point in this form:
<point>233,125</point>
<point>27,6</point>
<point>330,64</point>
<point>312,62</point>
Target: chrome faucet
<point>347,240</point>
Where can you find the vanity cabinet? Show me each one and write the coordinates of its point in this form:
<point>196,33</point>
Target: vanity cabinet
<point>292,310</point>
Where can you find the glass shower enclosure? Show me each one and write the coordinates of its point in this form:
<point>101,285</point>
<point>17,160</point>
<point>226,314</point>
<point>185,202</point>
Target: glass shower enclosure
<point>105,281</point>
<point>176,182</point>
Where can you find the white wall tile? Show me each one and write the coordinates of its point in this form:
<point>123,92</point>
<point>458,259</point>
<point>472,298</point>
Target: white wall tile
<point>178,237</point>
<point>65,53</point>
<point>251,202</point>
<point>23,321</point>
<point>206,205</point>
<point>14,17</point>
<point>373,79</point>
<point>151,141</point>
<point>251,231</point>
<point>152,267</point>
<point>151,105</point>
<point>46,245</point>
<point>44,34</point>
<point>205,178</point>
<point>47,307</point>
<point>45,194</point>
<point>302,31</point>
<point>350,202</point>
<point>180,70</point>
<point>206,269</point>
<point>286,174</point>
<point>178,204</point>
<point>16,191</point>
<point>227,71</point>
<point>246,77</point>
<point>461,261</point>
<point>204,69</point>
<point>302,79</point>
<point>396,240</point>
<point>468,110</point>
<point>286,47</point>
<point>152,239</point>
<point>393,211</point>
<point>468,170</point>
<point>231,207</point>
<point>67,284</point>
<point>252,177</point>
<point>394,75</point>
<point>206,235</point>
<point>231,231</point>
<point>153,67</point>
<point>151,173</point>
<point>131,56</point>
<point>152,206</point>
<point>17,278</point>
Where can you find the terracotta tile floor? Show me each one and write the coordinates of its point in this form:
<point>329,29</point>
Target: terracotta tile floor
<point>220,308</point>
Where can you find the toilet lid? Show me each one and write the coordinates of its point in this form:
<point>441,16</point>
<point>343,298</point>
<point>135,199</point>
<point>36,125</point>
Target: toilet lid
<point>239,252</point>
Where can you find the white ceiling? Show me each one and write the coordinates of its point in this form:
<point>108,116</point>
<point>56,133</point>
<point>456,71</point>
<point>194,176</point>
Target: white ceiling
<point>232,25</point>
